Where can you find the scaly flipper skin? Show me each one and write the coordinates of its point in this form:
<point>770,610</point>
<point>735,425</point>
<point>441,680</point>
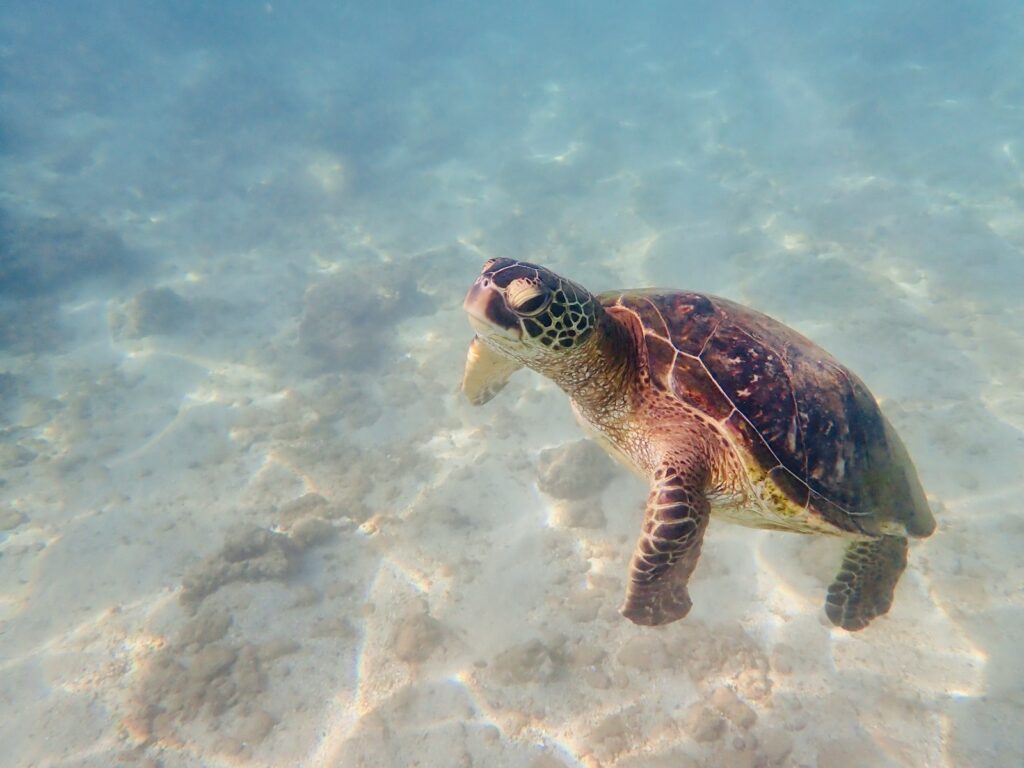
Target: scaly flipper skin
<point>865,584</point>
<point>668,548</point>
<point>487,372</point>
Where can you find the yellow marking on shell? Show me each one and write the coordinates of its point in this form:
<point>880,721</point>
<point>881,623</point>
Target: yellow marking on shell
<point>760,503</point>
<point>521,291</point>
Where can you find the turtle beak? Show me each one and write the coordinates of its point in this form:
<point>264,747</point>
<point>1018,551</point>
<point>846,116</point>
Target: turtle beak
<point>487,312</point>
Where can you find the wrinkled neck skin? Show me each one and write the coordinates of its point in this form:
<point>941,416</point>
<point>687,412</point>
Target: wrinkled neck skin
<point>601,374</point>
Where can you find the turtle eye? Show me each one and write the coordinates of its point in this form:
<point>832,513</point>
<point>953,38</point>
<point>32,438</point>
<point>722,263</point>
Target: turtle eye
<point>526,297</point>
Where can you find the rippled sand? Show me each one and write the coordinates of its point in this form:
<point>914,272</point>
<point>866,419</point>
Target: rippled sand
<point>246,518</point>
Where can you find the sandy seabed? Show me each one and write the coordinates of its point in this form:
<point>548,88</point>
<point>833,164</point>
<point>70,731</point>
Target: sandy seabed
<point>246,518</point>
<point>312,551</point>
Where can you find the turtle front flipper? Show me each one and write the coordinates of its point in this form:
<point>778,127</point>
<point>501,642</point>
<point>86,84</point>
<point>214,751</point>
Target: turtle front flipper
<point>668,548</point>
<point>864,587</point>
<point>487,372</point>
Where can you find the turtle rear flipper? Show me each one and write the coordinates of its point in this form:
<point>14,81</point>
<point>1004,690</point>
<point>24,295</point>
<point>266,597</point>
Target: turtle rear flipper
<point>864,586</point>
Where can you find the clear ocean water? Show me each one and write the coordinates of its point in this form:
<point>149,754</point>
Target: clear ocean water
<point>246,516</point>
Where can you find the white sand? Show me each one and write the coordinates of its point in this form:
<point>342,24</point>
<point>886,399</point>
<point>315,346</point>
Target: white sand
<point>430,606</point>
<point>252,523</point>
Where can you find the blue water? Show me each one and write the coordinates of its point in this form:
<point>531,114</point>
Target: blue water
<point>247,519</point>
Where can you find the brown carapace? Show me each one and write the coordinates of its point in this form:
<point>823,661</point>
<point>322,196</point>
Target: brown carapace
<point>726,412</point>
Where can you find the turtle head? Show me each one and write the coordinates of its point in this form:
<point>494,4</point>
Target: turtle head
<point>528,312</point>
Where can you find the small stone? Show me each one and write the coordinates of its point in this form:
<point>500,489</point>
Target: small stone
<point>782,659</point>
<point>584,606</point>
<point>602,582</point>
<point>734,759</point>
<point>12,455</point>
<point>254,727</point>
<point>346,320</point>
<point>246,673</point>
<point>849,753</point>
<point>608,739</point>
<point>596,678</point>
<point>339,589</point>
<point>776,746</point>
<point>730,705</point>
<point>333,626</point>
<point>311,532</point>
<point>10,518</point>
<point>582,513</point>
<point>304,596</point>
<point>207,627</point>
<point>373,726</point>
<point>138,726</point>
<point>516,722</point>
<point>416,638</point>
<point>212,661</point>
<point>547,761</point>
<point>585,655</point>
<point>308,505</point>
<point>645,652</point>
<point>620,679</point>
<point>164,728</point>
<point>701,723</point>
<point>576,470</point>
<point>151,312</point>
<point>671,760</point>
<point>612,726</point>
<point>249,554</point>
<point>230,746</point>
<point>528,662</point>
<point>275,649</point>
<point>37,412</point>
<point>754,684</point>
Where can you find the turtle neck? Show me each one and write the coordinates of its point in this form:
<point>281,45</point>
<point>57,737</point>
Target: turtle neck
<point>600,376</point>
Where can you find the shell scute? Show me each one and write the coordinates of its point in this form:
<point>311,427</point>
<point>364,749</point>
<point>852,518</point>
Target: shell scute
<point>687,319</point>
<point>812,427</point>
<point>691,382</point>
<point>661,356</point>
<point>751,438</point>
<point>756,379</point>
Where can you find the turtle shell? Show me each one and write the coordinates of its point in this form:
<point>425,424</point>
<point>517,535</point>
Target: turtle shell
<point>809,423</point>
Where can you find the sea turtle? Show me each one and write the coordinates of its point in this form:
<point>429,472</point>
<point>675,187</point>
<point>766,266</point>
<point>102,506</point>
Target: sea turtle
<point>724,411</point>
